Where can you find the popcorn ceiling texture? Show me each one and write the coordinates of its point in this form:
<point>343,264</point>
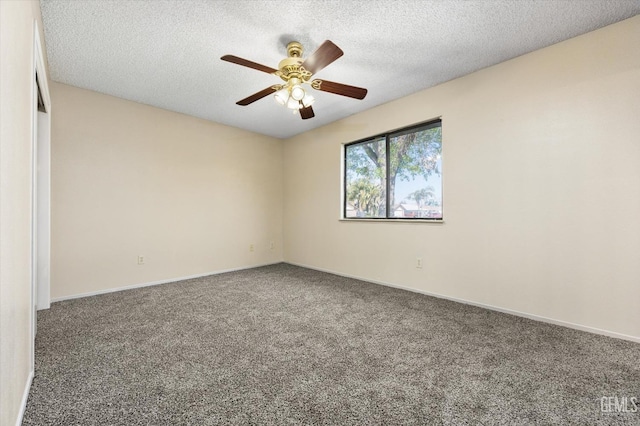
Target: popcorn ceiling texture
<point>167,53</point>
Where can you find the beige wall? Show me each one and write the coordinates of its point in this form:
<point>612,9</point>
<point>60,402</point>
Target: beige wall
<point>16,73</point>
<point>128,179</point>
<point>542,191</point>
<point>541,159</point>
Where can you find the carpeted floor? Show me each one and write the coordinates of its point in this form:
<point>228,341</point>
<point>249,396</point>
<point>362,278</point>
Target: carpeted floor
<point>287,345</point>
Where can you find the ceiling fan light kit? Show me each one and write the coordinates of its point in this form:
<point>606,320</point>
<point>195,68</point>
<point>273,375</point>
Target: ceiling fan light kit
<point>292,95</point>
<point>296,73</point>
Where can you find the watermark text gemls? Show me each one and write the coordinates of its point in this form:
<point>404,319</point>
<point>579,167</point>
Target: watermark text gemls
<point>614,404</point>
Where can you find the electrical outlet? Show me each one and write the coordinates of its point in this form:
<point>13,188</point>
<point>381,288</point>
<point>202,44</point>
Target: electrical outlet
<point>271,245</point>
<point>419,262</point>
<point>140,260</point>
<point>251,247</point>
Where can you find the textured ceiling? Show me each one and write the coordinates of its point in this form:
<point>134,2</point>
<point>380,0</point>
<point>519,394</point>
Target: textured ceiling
<point>167,53</point>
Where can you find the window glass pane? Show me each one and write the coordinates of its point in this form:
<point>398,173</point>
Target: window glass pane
<point>415,179</point>
<point>365,176</point>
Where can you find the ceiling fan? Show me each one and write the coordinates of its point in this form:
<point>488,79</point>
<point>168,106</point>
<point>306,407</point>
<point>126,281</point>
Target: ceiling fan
<point>296,72</point>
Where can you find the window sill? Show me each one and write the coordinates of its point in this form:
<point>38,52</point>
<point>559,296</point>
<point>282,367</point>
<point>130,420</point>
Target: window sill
<point>431,221</point>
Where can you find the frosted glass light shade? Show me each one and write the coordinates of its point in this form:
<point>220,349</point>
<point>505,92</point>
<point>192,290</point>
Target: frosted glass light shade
<point>297,92</point>
<point>282,96</point>
<point>293,104</point>
<point>308,100</point>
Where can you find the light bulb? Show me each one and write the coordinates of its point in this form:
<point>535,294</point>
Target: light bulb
<point>297,92</point>
<point>282,96</point>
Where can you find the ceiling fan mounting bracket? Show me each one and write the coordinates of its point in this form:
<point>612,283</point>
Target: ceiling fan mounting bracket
<point>294,50</point>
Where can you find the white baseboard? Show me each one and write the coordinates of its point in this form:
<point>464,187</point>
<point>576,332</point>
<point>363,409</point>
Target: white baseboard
<point>482,305</point>
<point>25,397</point>
<point>147,284</point>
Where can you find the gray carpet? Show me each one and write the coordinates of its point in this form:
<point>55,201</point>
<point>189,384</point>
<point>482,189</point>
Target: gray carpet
<point>287,345</point>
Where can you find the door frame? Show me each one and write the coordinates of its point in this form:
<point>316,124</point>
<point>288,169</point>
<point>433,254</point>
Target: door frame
<point>40,187</point>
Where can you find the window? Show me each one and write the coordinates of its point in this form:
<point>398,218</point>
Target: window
<point>397,175</point>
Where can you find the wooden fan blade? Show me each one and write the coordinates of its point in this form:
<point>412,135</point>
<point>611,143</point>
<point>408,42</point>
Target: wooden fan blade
<point>247,63</point>
<point>307,113</point>
<point>256,96</point>
<point>339,89</point>
<point>323,56</point>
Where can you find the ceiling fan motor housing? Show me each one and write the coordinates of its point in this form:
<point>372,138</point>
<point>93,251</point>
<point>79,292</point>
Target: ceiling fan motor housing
<point>288,71</point>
